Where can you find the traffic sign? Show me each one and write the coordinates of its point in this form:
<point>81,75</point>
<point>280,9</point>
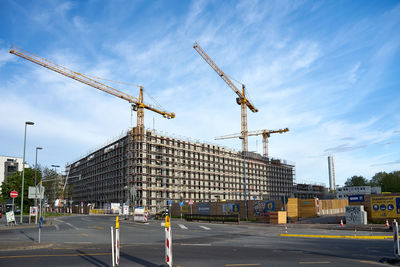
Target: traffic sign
<point>40,222</point>
<point>13,194</point>
<point>191,202</point>
<point>181,204</point>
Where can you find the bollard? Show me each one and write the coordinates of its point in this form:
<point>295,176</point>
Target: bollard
<point>112,247</point>
<point>168,241</point>
<point>395,238</point>
<point>117,242</point>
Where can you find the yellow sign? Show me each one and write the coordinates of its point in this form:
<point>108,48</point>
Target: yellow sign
<point>167,222</point>
<point>117,223</point>
<point>385,207</point>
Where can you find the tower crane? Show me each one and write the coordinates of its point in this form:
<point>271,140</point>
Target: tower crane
<point>137,104</point>
<point>265,134</point>
<point>242,99</point>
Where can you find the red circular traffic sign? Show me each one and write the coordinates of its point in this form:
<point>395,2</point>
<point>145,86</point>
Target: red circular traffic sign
<point>13,194</point>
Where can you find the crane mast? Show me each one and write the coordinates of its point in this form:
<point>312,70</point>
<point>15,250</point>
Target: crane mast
<point>242,100</point>
<point>137,104</point>
<point>265,134</point>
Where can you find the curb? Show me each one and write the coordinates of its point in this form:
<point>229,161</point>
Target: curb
<point>28,247</point>
<point>381,237</point>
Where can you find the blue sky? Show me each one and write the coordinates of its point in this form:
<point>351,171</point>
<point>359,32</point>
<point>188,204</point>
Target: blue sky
<point>327,70</point>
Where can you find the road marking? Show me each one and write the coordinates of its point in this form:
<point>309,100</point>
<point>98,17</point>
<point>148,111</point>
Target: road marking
<point>78,242</point>
<point>205,227</point>
<point>85,235</point>
<point>372,262</point>
<point>340,236</point>
<point>55,255</point>
<point>57,227</point>
<point>313,262</point>
<point>73,226</point>
<point>194,244</point>
<point>243,264</point>
<point>96,227</point>
<point>182,226</point>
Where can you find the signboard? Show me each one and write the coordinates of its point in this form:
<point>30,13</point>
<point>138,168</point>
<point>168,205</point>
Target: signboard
<point>204,209</point>
<point>13,194</point>
<point>269,206</point>
<point>10,217</point>
<point>385,207</point>
<point>115,208</point>
<point>230,209</point>
<point>33,211</point>
<point>181,204</point>
<point>126,210</point>
<point>356,198</point>
<point>191,202</point>
<point>36,192</point>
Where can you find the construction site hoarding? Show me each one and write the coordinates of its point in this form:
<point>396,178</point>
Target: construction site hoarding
<point>383,207</point>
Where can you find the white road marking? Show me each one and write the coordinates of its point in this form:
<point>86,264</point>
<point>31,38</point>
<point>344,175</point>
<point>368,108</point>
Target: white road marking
<point>182,226</point>
<point>73,226</point>
<point>78,242</point>
<point>205,227</point>
<point>57,227</point>
<point>189,244</point>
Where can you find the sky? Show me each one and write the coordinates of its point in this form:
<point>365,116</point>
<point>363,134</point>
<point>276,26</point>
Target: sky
<point>327,70</point>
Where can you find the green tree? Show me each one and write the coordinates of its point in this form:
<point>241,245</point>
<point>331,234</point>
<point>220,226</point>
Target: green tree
<point>14,183</point>
<point>377,179</point>
<point>391,182</point>
<point>49,178</point>
<point>356,181</point>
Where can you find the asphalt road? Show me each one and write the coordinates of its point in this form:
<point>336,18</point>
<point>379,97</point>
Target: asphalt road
<point>85,241</point>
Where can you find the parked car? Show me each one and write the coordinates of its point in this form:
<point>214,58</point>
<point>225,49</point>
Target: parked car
<point>0,215</point>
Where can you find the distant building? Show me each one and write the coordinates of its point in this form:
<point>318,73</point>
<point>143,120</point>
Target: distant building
<point>346,191</point>
<point>306,191</point>
<point>331,169</point>
<point>8,166</point>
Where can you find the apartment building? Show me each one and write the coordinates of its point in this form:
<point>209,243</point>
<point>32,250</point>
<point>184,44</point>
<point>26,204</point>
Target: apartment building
<point>148,165</point>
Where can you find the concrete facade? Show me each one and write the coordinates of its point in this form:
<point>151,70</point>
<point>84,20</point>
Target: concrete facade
<point>331,169</point>
<point>346,191</point>
<point>138,165</point>
<point>8,166</point>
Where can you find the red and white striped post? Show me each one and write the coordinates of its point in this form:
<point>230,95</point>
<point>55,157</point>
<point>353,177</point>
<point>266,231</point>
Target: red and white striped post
<point>168,241</point>
<point>117,242</point>
<point>396,238</point>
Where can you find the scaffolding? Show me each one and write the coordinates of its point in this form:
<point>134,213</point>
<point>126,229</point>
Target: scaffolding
<point>160,168</point>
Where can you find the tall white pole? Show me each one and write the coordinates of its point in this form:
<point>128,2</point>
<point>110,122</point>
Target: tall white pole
<point>23,173</point>
<point>112,247</point>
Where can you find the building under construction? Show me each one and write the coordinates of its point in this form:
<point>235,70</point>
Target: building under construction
<point>146,167</point>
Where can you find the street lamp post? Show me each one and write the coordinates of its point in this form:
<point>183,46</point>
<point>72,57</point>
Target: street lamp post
<point>55,183</point>
<point>23,171</point>
<point>37,148</point>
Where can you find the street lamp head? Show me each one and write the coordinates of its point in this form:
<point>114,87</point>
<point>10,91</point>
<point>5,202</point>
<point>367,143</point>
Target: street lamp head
<point>29,123</point>
<point>39,148</point>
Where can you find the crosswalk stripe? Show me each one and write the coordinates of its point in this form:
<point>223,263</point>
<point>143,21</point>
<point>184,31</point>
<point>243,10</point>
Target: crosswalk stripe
<point>205,227</point>
<point>182,226</point>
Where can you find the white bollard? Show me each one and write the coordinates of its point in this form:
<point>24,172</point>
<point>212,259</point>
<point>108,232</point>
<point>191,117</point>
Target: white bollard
<point>117,242</point>
<point>396,238</point>
<point>168,241</point>
<point>112,246</point>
